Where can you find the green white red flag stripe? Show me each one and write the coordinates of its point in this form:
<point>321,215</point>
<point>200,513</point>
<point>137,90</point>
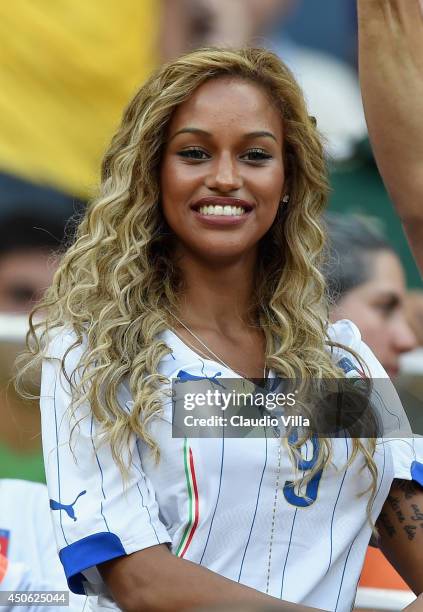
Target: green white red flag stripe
<point>193,501</point>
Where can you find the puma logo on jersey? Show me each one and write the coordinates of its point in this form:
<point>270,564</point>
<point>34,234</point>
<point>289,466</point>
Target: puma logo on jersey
<point>184,376</point>
<point>68,508</point>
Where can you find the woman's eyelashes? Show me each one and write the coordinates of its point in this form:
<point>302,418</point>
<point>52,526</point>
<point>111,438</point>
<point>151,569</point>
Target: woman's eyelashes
<point>255,155</point>
<point>387,308</point>
<point>194,154</point>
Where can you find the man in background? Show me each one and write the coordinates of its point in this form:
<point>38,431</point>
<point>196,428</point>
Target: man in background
<point>33,222</point>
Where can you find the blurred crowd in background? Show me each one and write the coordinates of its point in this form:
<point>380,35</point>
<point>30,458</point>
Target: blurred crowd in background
<point>67,70</point>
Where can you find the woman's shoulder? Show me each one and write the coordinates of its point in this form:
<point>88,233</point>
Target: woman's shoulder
<point>63,343</point>
<point>345,332</point>
<point>351,353</point>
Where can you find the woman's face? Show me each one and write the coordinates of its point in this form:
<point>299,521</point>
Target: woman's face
<point>222,173</point>
<point>377,308</point>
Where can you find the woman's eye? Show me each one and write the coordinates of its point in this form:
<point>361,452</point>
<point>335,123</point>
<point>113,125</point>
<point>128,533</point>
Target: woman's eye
<point>196,154</point>
<point>386,308</point>
<point>257,155</point>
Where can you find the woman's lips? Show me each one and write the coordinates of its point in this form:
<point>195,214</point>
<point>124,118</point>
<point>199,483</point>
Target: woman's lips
<point>220,201</point>
<point>222,211</point>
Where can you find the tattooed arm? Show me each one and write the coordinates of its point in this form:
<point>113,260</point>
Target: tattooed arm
<point>400,526</point>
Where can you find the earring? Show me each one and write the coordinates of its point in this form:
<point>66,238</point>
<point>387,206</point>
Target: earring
<point>285,199</point>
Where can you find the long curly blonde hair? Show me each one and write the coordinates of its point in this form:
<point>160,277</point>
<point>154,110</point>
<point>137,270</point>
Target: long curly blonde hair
<point>117,282</point>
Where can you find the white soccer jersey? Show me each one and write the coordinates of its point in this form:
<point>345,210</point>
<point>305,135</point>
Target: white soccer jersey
<point>212,499</point>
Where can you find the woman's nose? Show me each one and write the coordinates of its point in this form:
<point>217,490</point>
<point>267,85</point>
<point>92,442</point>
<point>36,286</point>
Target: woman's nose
<point>224,175</point>
<point>405,339</point>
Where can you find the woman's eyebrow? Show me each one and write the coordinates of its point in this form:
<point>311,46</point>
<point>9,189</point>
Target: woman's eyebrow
<point>260,134</point>
<point>190,130</point>
<point>193,130</point>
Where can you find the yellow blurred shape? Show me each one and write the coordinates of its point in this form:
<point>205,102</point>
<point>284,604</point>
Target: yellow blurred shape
<point>67,69</point>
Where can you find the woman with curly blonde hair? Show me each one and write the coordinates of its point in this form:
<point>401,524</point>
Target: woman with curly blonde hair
<point>199,260</point>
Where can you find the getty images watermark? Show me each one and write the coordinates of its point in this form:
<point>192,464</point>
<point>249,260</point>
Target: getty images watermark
<point>227,401</point>
<point>210,406</point>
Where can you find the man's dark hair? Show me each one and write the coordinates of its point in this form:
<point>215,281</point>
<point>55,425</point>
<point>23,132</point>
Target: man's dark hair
<point>35,216</point>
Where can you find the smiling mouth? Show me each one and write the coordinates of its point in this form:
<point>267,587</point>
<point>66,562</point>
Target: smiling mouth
<point>222,207</point>
<point>228,211</point>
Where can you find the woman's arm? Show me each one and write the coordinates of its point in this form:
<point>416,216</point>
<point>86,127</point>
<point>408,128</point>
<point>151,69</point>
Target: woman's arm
<point>154,580</point>
<point>391,76</point>
<point>400,526</point>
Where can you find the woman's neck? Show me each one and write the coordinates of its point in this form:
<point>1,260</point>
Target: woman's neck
<point>217,295</point>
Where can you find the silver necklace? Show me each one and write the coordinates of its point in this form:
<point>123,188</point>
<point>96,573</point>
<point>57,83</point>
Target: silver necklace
<point>219,359</point>
<point>278,468</point>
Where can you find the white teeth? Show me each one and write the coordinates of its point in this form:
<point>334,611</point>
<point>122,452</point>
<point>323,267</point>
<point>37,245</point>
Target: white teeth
<point>229,211</point>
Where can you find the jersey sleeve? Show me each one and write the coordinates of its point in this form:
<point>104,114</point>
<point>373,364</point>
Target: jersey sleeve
<point>406,448</point>
<point>97,516</point>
